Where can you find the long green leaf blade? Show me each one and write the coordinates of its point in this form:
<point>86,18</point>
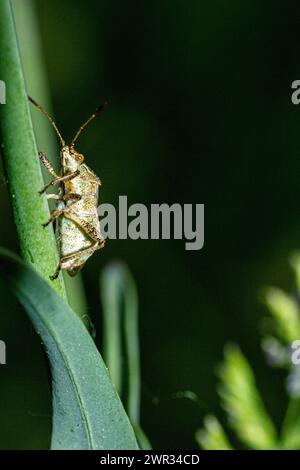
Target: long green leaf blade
<point>87,412</point>
<point>290,434</point>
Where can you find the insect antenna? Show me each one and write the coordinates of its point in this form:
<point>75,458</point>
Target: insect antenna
<point>49,119</point>
<point>83,126</point>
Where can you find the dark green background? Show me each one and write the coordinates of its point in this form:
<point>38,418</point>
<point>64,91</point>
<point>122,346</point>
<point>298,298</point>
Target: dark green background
<point>199,111</point>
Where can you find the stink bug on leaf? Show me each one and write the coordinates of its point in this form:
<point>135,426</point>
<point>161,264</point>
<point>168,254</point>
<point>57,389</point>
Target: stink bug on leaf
<point>78,228</point>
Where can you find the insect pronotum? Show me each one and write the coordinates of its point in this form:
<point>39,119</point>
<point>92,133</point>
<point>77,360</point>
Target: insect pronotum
<point>78,227</point>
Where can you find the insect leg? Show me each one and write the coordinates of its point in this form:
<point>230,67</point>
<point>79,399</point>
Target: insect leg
<point>48,165</point>
<point>57,271</point>
<point>65,197</point>
<point>66,261</point>
<point>74,197</point>
<point>53,196</point>
<point>59,179</point>
<point>54,215</point>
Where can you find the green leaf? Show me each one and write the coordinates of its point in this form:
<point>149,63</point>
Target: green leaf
<point>285,311</point>
<point>87,413</point>
<point>213,436</point>
<point>120,302</point>
<point>243,403</point>
<point>290,435</point>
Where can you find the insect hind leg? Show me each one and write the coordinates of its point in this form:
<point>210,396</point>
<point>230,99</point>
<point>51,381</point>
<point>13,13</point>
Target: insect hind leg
<point>69,261</point>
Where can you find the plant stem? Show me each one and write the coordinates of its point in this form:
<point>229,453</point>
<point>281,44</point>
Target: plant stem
<point>120,299</point>
<point>35,74</point>
<point>20,158</point>
<point>31,52</point>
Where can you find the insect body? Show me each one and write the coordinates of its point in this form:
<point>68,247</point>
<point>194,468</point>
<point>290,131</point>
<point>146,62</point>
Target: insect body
<point>78,227</point>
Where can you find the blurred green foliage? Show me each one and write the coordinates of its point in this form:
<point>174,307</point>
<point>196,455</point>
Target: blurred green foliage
<point>199,111</point>
<point>243,404</point>
<point>240,397</point>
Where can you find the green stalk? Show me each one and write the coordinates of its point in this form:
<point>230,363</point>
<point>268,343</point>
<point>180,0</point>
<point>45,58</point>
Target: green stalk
<point>35,73</point>
<point>36,77</point>
<point>20,158</point>
<point>120,299</point>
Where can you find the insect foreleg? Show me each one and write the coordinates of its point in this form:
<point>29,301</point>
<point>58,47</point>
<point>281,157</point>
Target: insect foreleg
<point>48,165</point>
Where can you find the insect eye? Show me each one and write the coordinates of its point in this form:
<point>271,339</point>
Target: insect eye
<point>78,157</point>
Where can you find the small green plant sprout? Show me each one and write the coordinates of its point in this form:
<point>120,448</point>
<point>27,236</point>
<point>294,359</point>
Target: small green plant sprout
<point>78,228</point>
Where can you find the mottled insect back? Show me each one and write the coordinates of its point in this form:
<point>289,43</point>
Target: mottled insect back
<point>78,228</point>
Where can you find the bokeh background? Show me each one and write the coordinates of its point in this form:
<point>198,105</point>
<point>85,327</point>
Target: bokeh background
<point>199,111</point>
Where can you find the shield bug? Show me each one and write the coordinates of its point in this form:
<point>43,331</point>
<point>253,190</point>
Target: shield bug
<point>78,226</point>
